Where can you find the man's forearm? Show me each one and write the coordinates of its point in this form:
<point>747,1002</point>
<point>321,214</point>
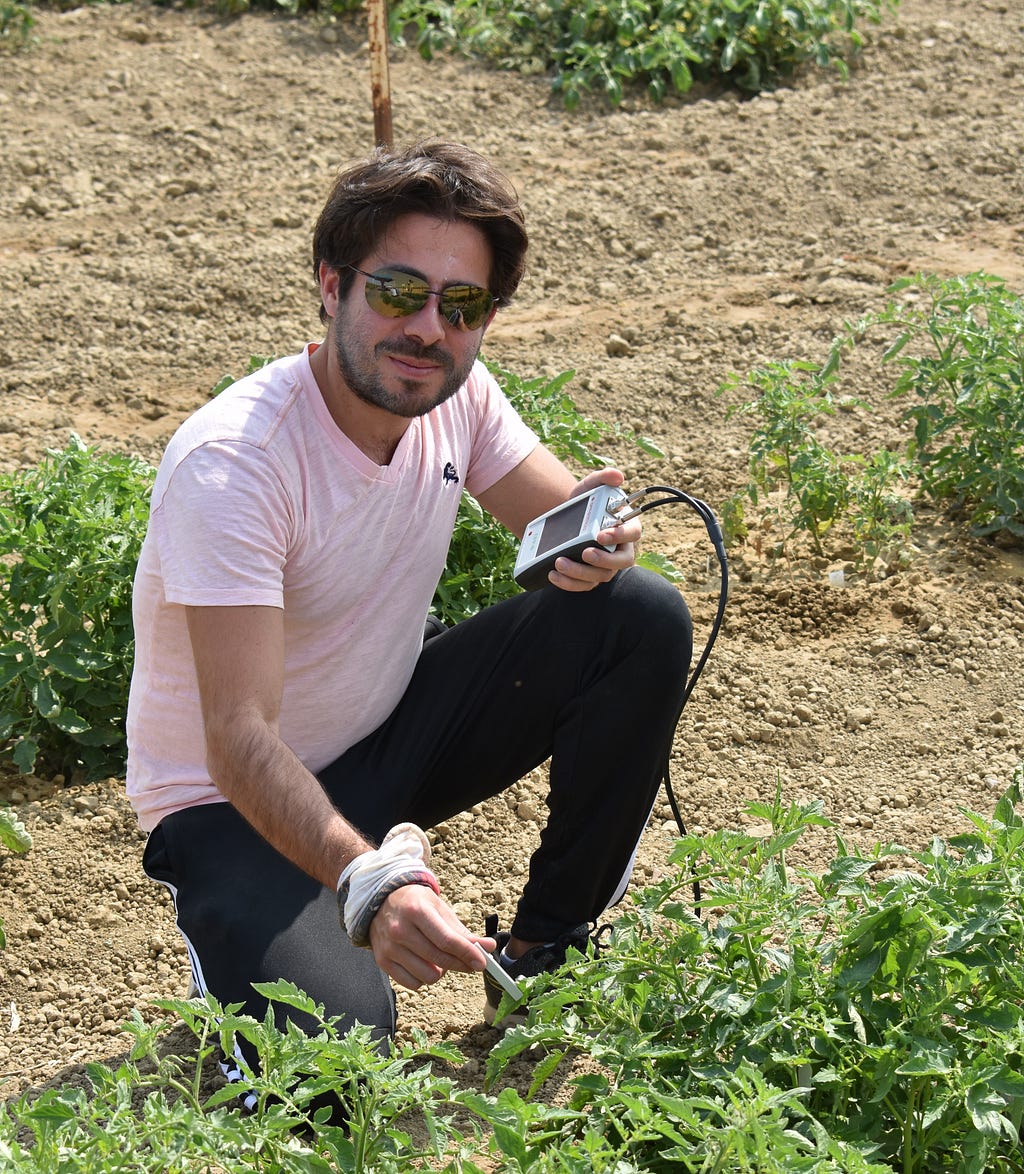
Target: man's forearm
<point>261,777</point>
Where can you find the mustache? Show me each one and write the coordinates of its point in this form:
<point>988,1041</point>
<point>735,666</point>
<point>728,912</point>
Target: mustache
<point>412,350</point>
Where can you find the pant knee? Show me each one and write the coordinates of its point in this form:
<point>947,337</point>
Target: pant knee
<point>649,600</point>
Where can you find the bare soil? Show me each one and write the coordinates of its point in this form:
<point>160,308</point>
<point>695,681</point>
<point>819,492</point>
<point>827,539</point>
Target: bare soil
<point>159,176</point>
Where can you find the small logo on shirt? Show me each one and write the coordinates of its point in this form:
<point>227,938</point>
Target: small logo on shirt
<point>450,474</point>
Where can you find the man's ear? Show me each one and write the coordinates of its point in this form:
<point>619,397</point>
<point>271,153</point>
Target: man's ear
<point>489,319</point>
<point>330,279</point>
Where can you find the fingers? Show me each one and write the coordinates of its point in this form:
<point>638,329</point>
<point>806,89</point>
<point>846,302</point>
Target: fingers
<point>599,566</point>
<point>416,939</point>
<point>622,534</point>
<point>596,564</point>
<point>418,963</point>
<point>606,476</point>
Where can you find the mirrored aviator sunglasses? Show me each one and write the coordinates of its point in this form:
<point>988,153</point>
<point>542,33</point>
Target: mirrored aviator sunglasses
<point>397,294</point>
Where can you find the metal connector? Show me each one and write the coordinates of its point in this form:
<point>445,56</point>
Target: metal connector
<point>632,499</point>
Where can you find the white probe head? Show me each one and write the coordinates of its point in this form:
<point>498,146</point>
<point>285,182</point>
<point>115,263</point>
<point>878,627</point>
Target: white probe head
<point>501,976</point>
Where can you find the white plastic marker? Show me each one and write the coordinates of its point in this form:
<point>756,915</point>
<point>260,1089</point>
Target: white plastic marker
<point>501,976</point>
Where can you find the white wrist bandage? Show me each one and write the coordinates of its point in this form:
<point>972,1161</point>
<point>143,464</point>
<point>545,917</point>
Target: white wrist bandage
<point>402,859</point>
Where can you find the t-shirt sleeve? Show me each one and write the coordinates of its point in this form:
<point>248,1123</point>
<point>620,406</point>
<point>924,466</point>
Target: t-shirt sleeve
<point>501,440</point>
<point>223,528</point>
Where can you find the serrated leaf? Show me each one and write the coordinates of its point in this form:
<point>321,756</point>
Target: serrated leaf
<point>847,869</point>
<point>986,1111</point>
<point>928,1058</point>
<point>543,1070</point>
<point>860,973</point>
<point>52,1109</point>
<point>660,564</point>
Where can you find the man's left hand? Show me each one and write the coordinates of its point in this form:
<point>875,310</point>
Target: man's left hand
<point>598,565</point>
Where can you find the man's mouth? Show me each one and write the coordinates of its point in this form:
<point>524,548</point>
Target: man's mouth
<point>417,363</point>
<point>413,364</point>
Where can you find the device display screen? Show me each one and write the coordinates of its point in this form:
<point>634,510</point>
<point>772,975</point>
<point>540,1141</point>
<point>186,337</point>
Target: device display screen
<point>562,526</point>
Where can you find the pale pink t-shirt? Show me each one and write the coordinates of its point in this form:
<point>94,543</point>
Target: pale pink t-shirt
<point>261,499</point>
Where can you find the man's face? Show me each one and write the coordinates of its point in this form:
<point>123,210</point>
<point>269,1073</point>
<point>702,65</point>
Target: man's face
<point>407,366</point>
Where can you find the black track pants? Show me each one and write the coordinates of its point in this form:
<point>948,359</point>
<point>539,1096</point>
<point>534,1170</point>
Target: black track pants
<point>592,681</point>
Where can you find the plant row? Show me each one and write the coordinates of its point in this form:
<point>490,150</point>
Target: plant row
<point>865,1020</point>
<point>958,347</point>
<point>596,46</point>
<point>609,48</point>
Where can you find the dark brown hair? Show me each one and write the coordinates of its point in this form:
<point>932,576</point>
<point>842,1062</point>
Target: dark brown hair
<point>440,179</point>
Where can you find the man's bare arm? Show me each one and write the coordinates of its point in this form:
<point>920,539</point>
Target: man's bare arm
<point>537,484</point>
<point>239,657</point>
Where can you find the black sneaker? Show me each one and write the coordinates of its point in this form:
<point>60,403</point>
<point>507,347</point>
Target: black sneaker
<point>538,960</point>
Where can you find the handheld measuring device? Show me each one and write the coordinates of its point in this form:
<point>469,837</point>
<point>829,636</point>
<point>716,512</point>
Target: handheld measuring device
<point>567,530</point>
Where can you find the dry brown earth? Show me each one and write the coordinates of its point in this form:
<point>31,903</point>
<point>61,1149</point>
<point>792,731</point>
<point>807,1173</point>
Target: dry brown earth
<point>158,176</point>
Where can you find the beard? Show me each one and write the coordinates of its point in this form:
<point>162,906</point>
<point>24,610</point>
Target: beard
<point>363,378</point>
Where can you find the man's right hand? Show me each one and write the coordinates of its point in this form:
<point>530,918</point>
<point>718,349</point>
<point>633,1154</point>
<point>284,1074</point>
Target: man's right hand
<point>416,939</point>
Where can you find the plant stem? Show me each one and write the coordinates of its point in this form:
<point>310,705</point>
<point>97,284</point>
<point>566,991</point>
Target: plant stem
<point>908,1128</point>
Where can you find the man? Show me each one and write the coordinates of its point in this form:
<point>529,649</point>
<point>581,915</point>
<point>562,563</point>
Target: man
<point>285,712</point>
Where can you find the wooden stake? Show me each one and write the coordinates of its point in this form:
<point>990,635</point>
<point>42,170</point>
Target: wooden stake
<point>380,82</point>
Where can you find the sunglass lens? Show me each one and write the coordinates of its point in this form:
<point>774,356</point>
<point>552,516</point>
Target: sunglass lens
<point>467,305</point>
<point>395,294</point>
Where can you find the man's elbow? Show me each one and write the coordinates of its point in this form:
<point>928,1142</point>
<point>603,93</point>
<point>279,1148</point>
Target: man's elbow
<point>237,748</point>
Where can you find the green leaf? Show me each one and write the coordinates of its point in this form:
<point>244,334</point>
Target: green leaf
<point>11,669</point>
<point>282,991</point>
<point>848,869</point>
<point>859,973</point>
<point>986,1111</point>
<point>67,665</point>
<point>26,750</point>
<point>1007,1082</point>
<point>69,722</point>
<point>45,700</point>
<point>99,735</point>
<point>928,1058</point>
<point>857,1022</point>
<point>13,833</point>
<point>660,564</point>
<point>727,61</point>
